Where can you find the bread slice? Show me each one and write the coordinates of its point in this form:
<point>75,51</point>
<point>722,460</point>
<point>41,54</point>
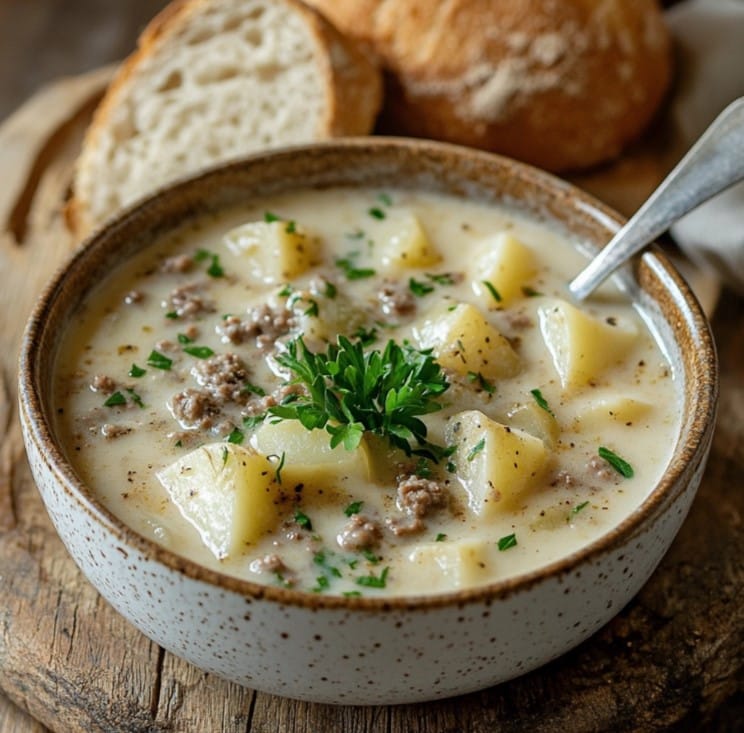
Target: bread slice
<point>213,80</point>
<point>565,84</point>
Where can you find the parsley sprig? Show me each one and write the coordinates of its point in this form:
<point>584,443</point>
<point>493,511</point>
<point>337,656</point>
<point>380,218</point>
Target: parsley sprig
<point>351,392</point>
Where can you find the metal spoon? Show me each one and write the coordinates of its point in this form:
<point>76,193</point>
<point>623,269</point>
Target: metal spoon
<point>714,163</point>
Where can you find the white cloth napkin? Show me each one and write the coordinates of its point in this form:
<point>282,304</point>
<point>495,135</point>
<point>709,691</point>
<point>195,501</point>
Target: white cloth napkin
<point>709,35</point>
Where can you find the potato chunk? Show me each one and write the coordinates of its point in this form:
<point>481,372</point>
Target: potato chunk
<point>582,346</point>
<point>308,456</point>
<point>619,410</point>
<point>507,264</point>
<point>274,251</point>
<point>227,492</point>
<point>403,242</point>
<point>464,341</point>
<point>464,563</point>
<point>494,463</point>
<point>536,421</point>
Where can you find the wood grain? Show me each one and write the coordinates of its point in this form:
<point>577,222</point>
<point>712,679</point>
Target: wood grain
<point>671,660</point>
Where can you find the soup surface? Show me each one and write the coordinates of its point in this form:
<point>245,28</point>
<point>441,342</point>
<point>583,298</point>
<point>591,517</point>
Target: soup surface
<point>470,424</point>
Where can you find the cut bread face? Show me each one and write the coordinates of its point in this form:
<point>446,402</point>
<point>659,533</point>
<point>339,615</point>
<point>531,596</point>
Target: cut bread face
<point>211,81</point>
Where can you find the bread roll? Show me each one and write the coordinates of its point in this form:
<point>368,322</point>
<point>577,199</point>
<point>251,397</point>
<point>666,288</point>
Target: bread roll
<point>562,84</point>
<point>213,80</point>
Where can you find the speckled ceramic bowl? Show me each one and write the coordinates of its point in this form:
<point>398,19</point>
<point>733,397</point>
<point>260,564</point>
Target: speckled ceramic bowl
<point>367,650</point>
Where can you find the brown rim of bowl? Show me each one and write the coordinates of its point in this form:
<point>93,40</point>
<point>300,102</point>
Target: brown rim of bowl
<point>653,271</point>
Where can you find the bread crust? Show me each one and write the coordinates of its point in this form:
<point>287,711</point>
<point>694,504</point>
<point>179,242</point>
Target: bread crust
<point>350,78</point>
<point>562,84</point>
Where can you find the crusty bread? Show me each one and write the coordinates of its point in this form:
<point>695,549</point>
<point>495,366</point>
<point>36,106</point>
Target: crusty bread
<point>212,80</point>
<point>562,84</point>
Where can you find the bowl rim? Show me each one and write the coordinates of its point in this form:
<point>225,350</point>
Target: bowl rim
<point>694,443</point>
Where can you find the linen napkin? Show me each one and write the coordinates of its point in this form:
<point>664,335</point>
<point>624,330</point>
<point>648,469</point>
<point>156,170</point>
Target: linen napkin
<point>709,37</point>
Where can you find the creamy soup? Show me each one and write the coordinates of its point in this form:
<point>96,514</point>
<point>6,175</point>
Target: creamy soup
<point>364,392</point>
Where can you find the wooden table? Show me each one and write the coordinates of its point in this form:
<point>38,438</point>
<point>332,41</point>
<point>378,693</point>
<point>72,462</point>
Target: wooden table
<point>673,660</point>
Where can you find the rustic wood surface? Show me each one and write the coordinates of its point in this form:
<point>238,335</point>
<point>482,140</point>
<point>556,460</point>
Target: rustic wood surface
<point>673,660</point>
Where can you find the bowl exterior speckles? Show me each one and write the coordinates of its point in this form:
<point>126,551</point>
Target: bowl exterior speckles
<point>362,650</point>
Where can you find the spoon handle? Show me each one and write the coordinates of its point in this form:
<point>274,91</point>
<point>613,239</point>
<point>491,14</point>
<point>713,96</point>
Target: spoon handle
<point>714,163</point>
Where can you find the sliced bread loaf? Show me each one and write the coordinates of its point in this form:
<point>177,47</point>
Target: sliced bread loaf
<point>212,80</point>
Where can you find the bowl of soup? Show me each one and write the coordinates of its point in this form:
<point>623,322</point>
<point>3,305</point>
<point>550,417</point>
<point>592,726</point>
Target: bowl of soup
<point>326,422</point>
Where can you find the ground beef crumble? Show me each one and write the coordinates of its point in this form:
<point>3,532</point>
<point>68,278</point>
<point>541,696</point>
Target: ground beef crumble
<point>396,300</point>
<point>417,497</point>
<point>601,469</point>
<point>224,377</point>
<point>194,409</point>
<point>265,323</point>
<point>359,533</point>
<point>186,301</point>
<point>103,383</point>
<point>178,263</point>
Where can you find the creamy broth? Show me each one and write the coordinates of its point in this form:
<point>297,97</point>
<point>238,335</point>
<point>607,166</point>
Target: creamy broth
<point>167,372</point>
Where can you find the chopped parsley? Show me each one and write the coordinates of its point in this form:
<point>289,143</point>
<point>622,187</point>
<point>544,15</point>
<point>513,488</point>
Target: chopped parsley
<point>385,199</point>
<point>491,289</point>
<point>249,388</point>
<point>270,217</point>
<point>252,421</point>
<point>476,449</point>
<point>291,227</point>
<point>200,352</point>
<point>225,454</point>
<point>441,537</point>
<point>483,383</point>
<point>419,289</point>
<point>579,507</point>
<point>172,315</point>
<point>115,400</point>
<point>135,397</point>
<point>353,508</point>
<point>214,269</point>
<point>137,372</point>
<point>370,557</point>
<point>506,542</point>
<point>159,361</point>
<point>321,583</point>
<point>376,213</point>
<point>541,401</point>
<point>619,464</point>
<point>184,339</point>
<point>529,292</point>
<point>303,521</point>
<point>236,436</point>
<point>352,272</point>
<point>280,466</point>
<point>330,291</point>
<point>374,581</point>
<point>312,309</point>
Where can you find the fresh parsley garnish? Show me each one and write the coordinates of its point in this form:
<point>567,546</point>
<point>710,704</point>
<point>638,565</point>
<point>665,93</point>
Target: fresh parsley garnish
<point>385,199</point>
<point>579,507</point>
<point>184,339</point>
<point>172,315</point>
<point>330,290</point>
<point>137,372</point>
<point>269,217</point>
<point>249,388</point>
<point>506,542</point>
<point>376,213</point>
<point>619,464</point>
<point>350,392</point>
<point>159,361</point>
<point>541,401</point>
<point>367,336</point>
<point>252,421</point>
<point>312,309</point>
<point>291,227</point>
<point>200,352</point>
<point>280,466</point>
<point>441,537</point>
